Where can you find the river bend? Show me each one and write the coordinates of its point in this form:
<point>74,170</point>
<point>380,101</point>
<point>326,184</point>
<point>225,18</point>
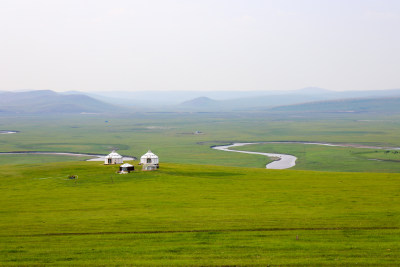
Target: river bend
<point>284,161</point>
<point>287,161</point>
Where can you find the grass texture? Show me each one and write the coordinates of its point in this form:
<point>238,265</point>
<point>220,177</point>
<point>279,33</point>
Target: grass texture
<point>196,215</point>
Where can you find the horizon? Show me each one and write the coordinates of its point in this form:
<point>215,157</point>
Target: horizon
<point>195,91</point>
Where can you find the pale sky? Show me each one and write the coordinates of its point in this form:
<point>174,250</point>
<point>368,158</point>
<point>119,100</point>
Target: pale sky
<point>102,45</point>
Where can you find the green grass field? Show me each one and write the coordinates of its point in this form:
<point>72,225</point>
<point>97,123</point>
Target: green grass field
<point>29,159</point>
<point>203,207</point>
<point>196,215</point>
<point>326,158</point>
<point>171,135</point>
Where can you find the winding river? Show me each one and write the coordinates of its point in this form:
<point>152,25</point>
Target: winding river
<point>284,161</point>
<point>8,132</point>
<point>287,161</point>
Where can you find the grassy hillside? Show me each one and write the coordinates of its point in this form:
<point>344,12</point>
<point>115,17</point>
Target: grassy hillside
<point>192,214</point>
<point>196,215</point>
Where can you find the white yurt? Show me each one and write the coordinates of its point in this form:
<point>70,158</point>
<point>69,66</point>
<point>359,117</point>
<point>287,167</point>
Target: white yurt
<point>126,168</point>
<point>149,159</point>
<point>113,158</point>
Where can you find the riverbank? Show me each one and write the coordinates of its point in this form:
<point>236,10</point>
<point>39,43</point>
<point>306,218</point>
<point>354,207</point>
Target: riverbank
<point>96,157</point>
<point>327,144</point>
<point>8,132</point>
<point>284,161</point>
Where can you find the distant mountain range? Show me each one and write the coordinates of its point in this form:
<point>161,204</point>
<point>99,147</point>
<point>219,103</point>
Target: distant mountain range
<point>200,102</point>
<point>229,100</point>
<point>374,105</point>
<point>47,101</point>
<point>245,103</point>
<point>309,99</point>
<point>297,97</point>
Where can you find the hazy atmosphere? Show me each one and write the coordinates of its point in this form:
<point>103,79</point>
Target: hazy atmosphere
<point>199,133</point>
<point>199,45</point>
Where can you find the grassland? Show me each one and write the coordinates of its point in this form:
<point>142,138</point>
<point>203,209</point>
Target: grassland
<point>326,158</point>
<point>30,159</point>
<point>196,215</point>
<point>171,135</point>
<point>203,207</point>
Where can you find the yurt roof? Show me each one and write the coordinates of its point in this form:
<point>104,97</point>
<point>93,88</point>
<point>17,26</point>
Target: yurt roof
<point>126,165</point>
<point>113,155</point>
<point>149,154</point>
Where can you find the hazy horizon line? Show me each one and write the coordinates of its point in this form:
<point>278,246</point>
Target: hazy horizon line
<point>205,91</point>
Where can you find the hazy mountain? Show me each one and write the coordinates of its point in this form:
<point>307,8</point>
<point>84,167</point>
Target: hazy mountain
<point>202,102</point>
<point>261,102</point>
<point>269,101</point>
<point>241,104</point>
<point>230,100</point>
<point>46,101</point>
<point>171,98</point>
<point>255,102</point>
<point>370,94</point>
<point>386,104</point>
<point>75,102</point>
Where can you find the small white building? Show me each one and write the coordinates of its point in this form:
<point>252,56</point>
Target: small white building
<point>149,161</point>
<point>113,158</point>
<point>126,168</point>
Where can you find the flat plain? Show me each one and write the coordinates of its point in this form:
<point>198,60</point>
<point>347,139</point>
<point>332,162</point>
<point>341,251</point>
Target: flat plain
<point>202,207</point>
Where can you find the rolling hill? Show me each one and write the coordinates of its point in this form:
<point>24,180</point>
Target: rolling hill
<point>229,100</point>
<point>306,99</point>
<point>201,103</point>
<point>47,101</point>
<point>382,104</point>
<point>247,103</point>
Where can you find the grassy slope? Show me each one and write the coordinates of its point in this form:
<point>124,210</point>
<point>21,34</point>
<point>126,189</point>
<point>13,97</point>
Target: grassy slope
<point>193,197</point>
<point>38,201</point>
